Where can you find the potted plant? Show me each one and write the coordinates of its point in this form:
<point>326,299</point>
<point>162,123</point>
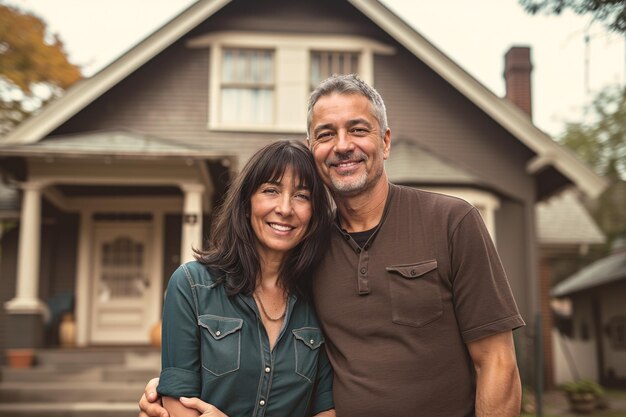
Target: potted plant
<point>583,395</point>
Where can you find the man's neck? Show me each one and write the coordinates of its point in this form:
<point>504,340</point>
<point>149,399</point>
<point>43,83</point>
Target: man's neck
<point>363,211</point>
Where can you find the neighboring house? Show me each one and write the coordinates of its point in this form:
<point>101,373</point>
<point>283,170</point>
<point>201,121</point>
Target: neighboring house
<point>119,176</point>
<point>565,232</point>
<point>597,333</point>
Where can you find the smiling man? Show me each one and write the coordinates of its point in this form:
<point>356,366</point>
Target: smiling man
<point>415,304</point>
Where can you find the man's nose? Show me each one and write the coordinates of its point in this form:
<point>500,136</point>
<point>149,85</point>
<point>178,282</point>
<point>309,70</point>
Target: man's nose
<point>344,141</point>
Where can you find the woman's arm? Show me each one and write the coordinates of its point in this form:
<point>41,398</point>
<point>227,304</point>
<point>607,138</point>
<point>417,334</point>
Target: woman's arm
<point>177,409</point>
<point>328,413</point>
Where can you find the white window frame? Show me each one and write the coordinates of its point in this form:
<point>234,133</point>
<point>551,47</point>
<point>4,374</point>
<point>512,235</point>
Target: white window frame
<point>292,54</point>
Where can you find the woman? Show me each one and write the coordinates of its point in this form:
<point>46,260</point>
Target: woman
<point>238,329</point>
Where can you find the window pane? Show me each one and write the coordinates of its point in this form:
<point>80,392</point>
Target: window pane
<point>325,64</point>
<point>247,87</point>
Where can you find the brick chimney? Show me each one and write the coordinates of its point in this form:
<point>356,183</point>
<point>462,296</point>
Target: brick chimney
<point>517,69</point>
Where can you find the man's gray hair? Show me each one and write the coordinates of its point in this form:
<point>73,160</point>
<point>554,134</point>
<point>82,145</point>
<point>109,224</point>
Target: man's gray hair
<point>348,84</point>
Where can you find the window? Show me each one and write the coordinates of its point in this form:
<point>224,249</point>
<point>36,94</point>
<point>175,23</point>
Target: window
<point>247,90</point>
<point>325,64</point>
<point>261,81</point>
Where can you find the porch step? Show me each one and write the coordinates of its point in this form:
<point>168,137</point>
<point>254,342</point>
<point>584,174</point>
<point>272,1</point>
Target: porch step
<point>94,382</point>
<point>91,409</point>
<point>26,392</point>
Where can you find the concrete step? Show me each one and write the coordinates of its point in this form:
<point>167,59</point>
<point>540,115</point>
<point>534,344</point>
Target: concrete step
<point>67,392</point>
<point>80,373</point>
<point>66,409</point>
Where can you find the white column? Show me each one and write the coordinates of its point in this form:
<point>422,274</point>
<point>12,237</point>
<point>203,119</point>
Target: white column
<point>27,289</point>
<point>191,236</point>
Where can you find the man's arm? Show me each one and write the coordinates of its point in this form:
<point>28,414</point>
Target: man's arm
<point>150,403</point>
<point>498,386</point>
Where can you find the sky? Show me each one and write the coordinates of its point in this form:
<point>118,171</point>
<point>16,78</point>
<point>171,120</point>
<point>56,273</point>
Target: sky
<point>567,72</point>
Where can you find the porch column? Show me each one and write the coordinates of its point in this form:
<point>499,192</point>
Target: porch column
<point>191,236</point>
<point>26,311</point>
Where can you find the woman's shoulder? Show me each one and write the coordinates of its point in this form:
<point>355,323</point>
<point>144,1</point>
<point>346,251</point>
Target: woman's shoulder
<point>195,273</point>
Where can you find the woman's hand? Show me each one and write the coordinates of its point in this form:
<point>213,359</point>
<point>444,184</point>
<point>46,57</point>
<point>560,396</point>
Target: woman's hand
<point>206,409</point>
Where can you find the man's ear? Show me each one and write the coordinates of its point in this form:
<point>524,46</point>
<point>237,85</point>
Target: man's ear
<point>387,144</point>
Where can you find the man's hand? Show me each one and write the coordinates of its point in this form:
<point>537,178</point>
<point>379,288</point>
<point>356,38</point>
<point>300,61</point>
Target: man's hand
<point>150,403</point>
<point>207,410</point>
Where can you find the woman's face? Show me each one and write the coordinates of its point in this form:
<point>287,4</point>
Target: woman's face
<point>280,214</point>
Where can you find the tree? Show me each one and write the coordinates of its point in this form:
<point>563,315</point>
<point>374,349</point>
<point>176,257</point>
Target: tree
<point>34,66</point>
<point>601,142</point>
<point>610,12</point>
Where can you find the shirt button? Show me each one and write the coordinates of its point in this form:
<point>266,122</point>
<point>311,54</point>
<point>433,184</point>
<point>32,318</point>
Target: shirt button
<point>217,333</point>
<point>363,271</point>
<point>311,341</point>
<point>267,369</point>
<point>413,272</point>
<point>347,237</point>
<point>358,250</point>
<point>262,403</point>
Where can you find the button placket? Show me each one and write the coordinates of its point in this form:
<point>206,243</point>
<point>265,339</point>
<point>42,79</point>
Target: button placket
<point>362,269</point>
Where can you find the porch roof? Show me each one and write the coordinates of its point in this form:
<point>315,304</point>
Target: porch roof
<point>119,144</point>
<point>413,164</point>
<point>604,271</point>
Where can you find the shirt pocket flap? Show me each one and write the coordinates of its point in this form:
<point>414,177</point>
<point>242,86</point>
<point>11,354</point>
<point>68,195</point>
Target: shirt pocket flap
<point>220,327</point>
<point>414,270</point>
<point>311,337</point>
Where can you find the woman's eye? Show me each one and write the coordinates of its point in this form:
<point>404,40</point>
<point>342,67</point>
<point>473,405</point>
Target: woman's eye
<point>269,190</point>
<point>302,196</point>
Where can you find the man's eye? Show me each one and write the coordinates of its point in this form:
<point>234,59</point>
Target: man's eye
<point>324,136</point>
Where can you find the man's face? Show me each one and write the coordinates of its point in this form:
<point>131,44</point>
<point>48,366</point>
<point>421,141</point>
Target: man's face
<point>347,144</point>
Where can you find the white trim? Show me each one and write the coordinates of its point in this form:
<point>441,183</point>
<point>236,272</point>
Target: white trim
<point>291,66</point>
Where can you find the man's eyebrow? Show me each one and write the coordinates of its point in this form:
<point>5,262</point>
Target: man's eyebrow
<point>359,121</point>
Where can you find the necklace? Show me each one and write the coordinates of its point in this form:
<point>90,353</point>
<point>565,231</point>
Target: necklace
<point>270,318</point>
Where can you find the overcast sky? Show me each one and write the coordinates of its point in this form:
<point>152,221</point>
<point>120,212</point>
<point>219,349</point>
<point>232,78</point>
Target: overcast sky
<point>475,34</point>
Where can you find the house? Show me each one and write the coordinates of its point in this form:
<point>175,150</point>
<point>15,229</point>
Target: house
<point>118,178</point>
<point>596,336</point>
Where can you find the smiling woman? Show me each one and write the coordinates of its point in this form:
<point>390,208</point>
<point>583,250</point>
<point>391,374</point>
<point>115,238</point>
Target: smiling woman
<point>238,328</point>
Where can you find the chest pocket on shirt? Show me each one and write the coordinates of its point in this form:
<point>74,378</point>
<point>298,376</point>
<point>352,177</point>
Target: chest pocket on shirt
<point>220,343</point>
<point>415,293</point>
<point>307,343</point>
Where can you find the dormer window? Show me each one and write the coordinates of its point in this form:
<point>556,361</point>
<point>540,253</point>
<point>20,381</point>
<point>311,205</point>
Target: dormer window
<point>261,82</point>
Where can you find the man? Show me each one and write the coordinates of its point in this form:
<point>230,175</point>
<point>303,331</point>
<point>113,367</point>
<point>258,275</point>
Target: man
<point>412,296</point>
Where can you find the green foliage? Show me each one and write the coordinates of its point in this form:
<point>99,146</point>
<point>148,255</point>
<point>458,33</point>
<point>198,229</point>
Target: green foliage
<point>583,386</point>
<point>610,12</point>
<point>34,66</point>
<point>601,141</point>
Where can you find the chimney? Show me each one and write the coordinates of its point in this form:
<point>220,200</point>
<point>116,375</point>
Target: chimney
<point>517,69</point>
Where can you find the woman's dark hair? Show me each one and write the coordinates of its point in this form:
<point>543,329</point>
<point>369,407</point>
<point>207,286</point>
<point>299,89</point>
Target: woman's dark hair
<point>231,252</point>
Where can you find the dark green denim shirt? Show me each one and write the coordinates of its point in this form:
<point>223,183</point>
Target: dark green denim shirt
<point>215,347</point>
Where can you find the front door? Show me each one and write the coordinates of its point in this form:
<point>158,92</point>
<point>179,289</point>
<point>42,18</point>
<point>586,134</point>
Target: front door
<point>122,281</point>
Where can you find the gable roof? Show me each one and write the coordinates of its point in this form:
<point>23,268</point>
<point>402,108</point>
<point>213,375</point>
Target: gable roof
<point>548,153</point>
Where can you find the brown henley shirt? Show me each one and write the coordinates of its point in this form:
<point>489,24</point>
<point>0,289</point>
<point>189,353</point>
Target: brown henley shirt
<point>398,312</point>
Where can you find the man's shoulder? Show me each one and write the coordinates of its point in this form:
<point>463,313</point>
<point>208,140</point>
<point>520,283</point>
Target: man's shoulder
<point>444,203</point>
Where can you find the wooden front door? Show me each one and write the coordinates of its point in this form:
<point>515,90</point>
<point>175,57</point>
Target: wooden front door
<point>122,282</point>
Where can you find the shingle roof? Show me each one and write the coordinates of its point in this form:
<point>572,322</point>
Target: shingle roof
<point>564,220</point>
<point>412,163</point>
<point>606,270</point>
<point>114,143</point>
